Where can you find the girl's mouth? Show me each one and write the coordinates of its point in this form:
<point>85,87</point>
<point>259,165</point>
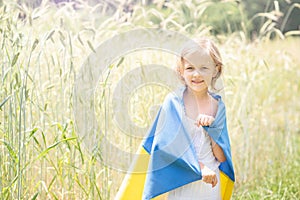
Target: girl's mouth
<point>197,81</point>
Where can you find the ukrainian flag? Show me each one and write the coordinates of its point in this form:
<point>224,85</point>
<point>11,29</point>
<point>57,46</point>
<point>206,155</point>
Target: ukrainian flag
<point>167,160</point>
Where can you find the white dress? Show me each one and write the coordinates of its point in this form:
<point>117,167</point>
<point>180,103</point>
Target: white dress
<point>199,189</point>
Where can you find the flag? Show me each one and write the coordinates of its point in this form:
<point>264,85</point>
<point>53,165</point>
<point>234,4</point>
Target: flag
<point>167,160</point>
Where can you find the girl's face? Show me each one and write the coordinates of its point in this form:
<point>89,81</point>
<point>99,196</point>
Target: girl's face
<point>198,70</point>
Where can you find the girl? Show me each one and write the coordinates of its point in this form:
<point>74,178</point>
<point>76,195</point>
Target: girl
<point>188,142</point>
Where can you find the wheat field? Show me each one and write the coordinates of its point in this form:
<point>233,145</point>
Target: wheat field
<point>42,52</point>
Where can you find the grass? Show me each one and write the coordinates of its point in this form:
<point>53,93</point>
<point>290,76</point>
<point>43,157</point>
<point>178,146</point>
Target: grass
<point>264,121</point>
<point>42,156</point>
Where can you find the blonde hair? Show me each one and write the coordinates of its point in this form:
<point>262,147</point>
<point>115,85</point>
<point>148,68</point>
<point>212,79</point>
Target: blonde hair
<point>201,44</point>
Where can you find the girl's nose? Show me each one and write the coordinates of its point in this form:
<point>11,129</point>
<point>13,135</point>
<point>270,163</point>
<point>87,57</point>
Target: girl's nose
<point>196,73</point>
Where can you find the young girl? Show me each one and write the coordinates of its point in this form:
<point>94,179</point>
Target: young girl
<point>188,142</point>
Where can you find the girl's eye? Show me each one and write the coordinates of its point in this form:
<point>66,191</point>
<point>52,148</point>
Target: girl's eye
<point>189,68</point>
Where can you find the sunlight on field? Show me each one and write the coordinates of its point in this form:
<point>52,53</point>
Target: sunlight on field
<point>42,155</point>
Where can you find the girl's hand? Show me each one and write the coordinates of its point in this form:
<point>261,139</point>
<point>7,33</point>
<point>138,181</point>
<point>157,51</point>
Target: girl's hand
<point>208,176</point>
<point>204,120</point>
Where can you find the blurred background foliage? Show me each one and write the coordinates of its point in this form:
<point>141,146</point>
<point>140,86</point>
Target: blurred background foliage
<point>254,18</point>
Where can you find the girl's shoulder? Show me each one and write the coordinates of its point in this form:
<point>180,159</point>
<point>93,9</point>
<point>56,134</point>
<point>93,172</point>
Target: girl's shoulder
<point>216,96</point>
<point>174,97</point>
<point>176,94</point>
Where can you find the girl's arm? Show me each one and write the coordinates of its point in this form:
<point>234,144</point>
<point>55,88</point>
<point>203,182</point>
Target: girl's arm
<point>217,151</point>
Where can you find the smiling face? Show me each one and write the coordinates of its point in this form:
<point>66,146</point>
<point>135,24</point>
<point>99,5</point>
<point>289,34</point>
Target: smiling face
<point>200,64</point>
<point>198,70</point>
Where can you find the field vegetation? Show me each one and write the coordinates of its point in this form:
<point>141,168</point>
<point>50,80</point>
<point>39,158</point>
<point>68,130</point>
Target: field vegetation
<point>43,47</point>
